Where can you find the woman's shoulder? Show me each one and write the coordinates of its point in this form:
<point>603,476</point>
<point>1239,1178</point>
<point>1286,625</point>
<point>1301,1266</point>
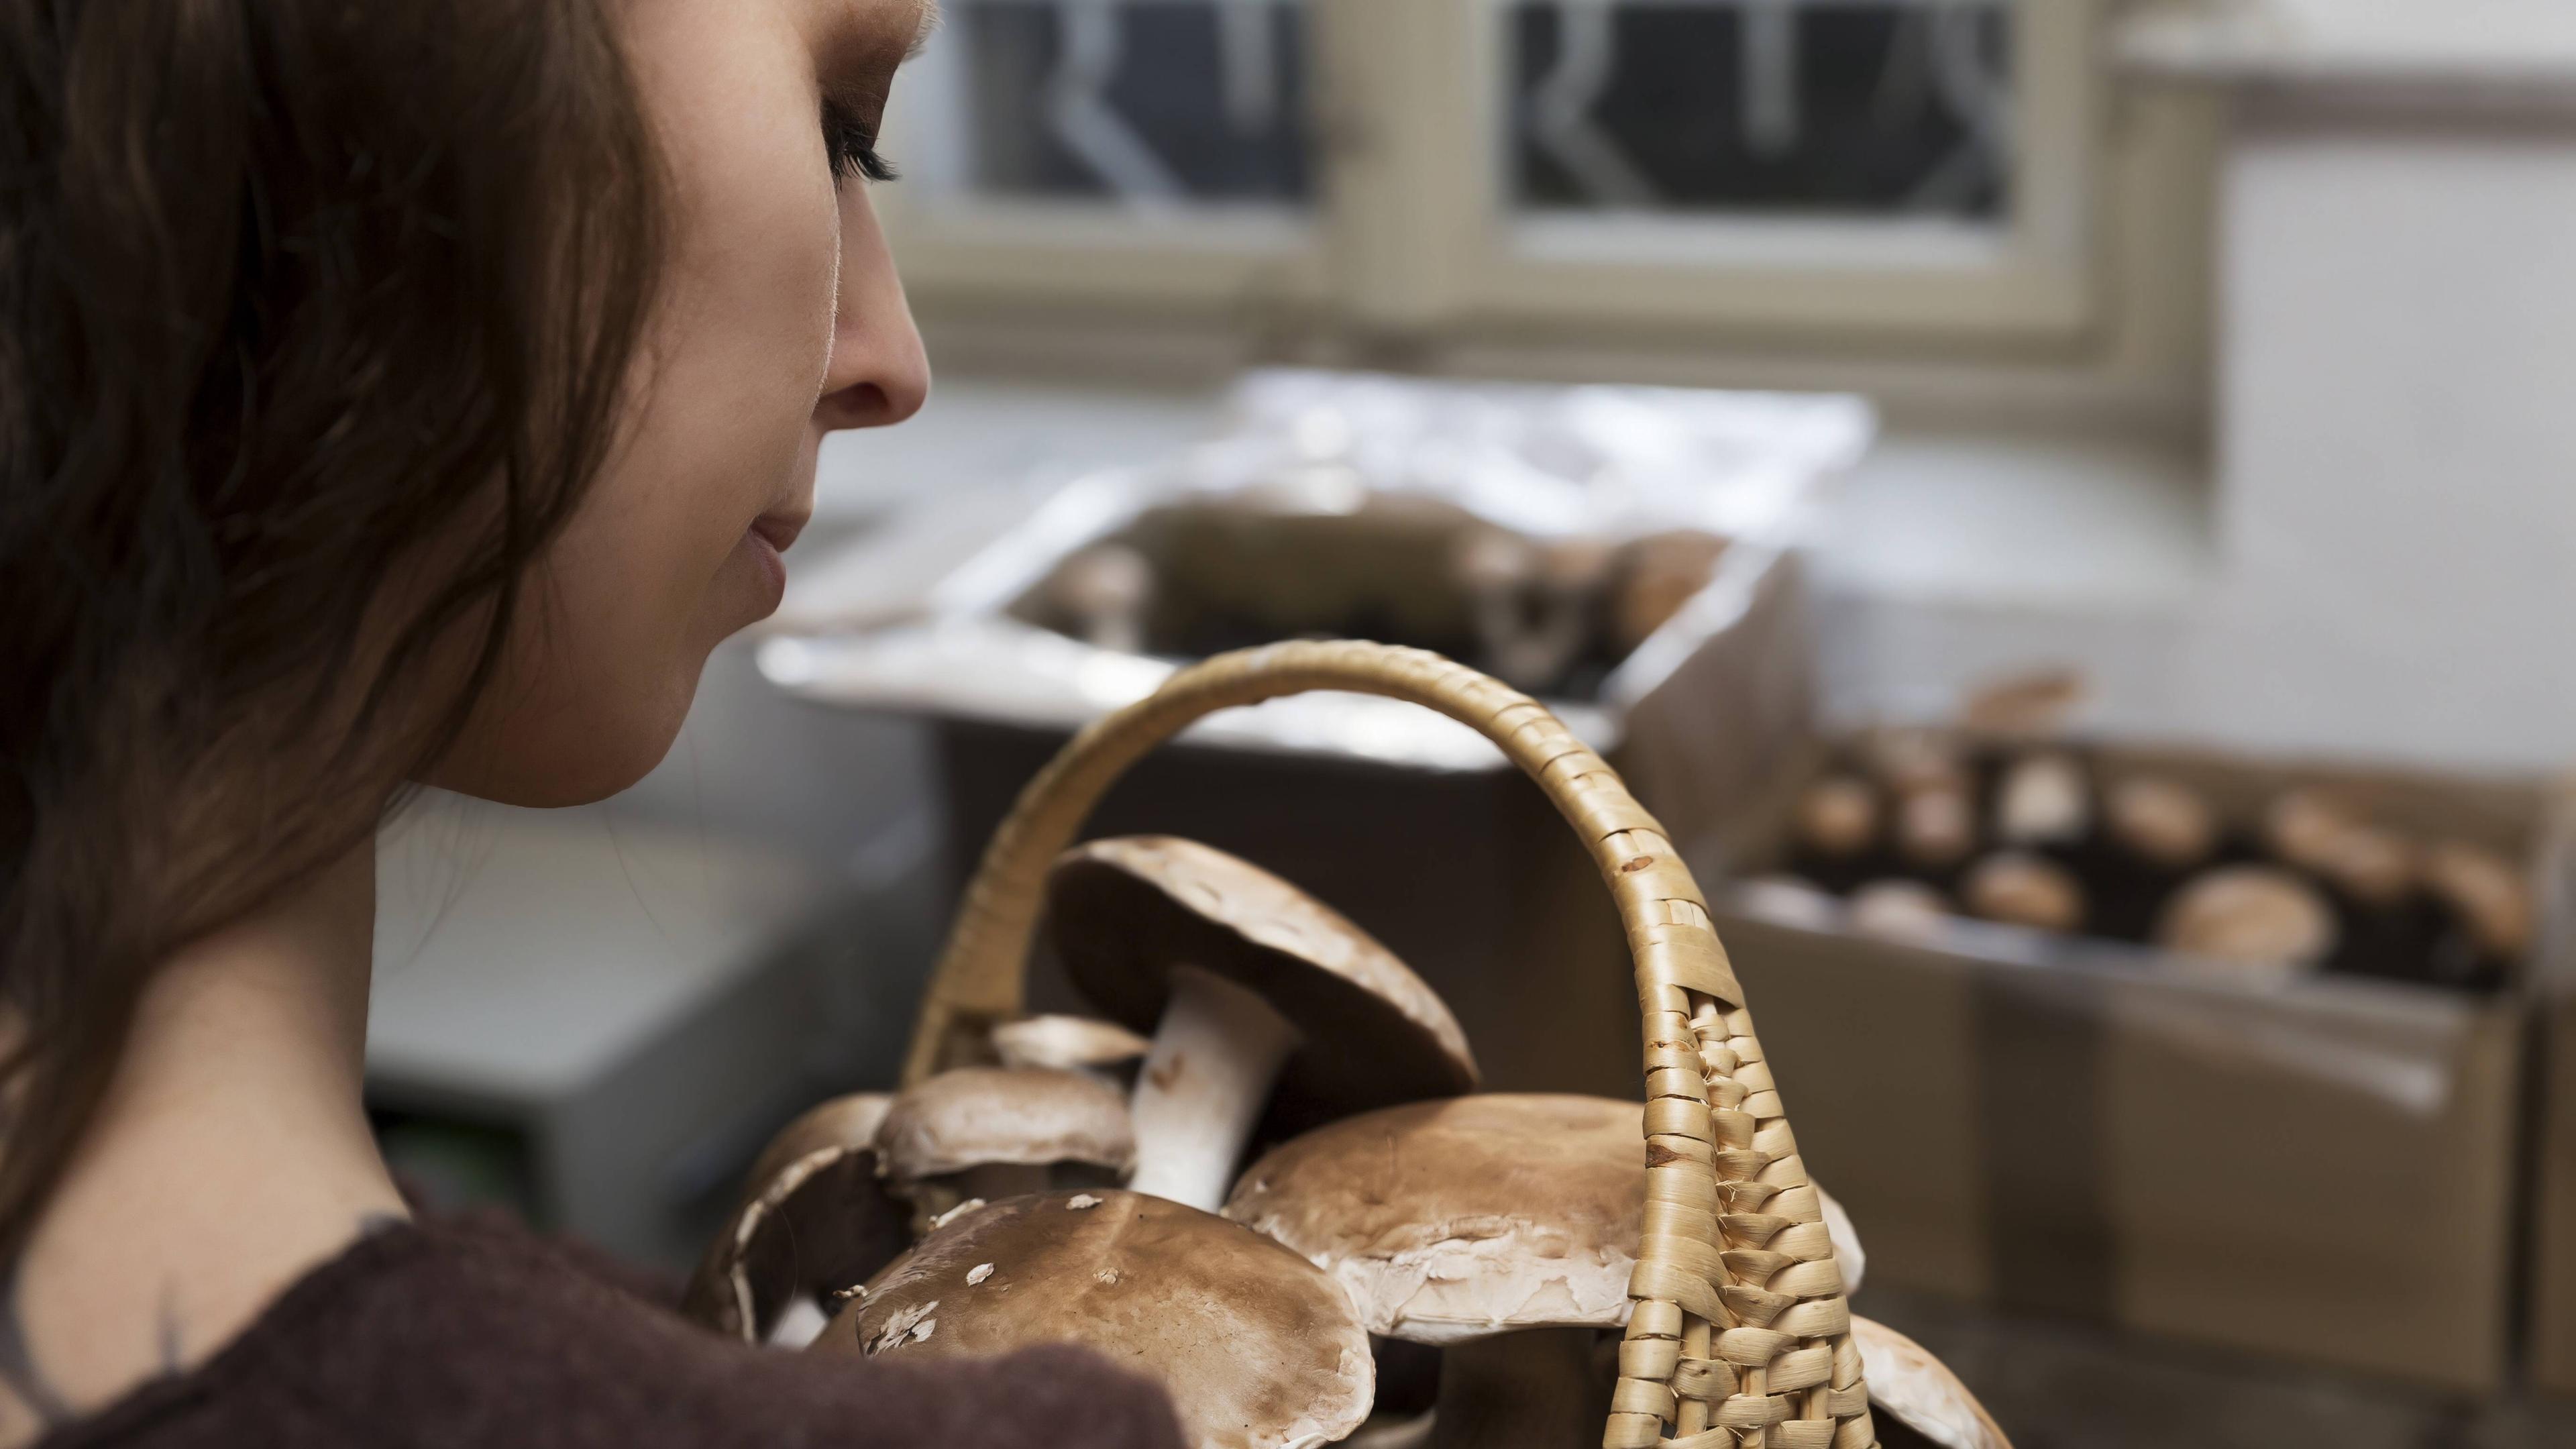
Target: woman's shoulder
<point>475,1332</point>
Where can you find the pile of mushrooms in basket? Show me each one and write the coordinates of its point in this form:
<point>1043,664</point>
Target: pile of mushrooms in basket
<point>1264,1177</point>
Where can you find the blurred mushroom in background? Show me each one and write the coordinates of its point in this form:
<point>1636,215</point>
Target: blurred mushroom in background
<point>2253,921</point>
<point>995,1132</point>
<point>2300,827</point>
<point>1900,910</point>
<point>2166,824</point>
<point>1533,604</point>
<point>1906,758</point>
<point>1657,574</point>
<point>1261,998</point>
<point>2490,909</point>
<point>1936,827</point>
<point>2386,925</point>
<point>1256,1346</point>
<point>2022,889</point>
<point>2044,802</point>
<point>2033,706</point>
<point>1835,831</point>
<point>1107,592</point>
<point>812,1219</point>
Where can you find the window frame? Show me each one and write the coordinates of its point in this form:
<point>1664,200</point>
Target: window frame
<point>1412,232</point>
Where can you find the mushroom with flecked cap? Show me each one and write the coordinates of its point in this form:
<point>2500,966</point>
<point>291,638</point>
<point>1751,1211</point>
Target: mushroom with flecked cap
<point>1257,1347</point>
<point>988,1132</point>
<point>1502,1227</point>
<point>1247,983</point>
<point>812,1219</point>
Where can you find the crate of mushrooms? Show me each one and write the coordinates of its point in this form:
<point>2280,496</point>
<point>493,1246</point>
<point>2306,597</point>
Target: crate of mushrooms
<point>1264,1165</point>
<point>2144,1033</point>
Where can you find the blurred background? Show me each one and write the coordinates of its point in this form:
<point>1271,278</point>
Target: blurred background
<point>1790,392</point>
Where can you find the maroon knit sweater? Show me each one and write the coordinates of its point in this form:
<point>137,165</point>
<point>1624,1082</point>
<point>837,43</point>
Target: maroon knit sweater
<point>474,1334</point>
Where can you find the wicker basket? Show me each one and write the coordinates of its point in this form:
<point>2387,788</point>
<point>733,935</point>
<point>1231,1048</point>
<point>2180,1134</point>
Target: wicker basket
<point>1739,1336</point>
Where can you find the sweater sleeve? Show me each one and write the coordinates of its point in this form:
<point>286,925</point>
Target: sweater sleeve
<point>471,1337</point>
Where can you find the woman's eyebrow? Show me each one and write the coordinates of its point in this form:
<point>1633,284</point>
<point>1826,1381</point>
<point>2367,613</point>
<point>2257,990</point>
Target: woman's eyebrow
<point>924,28</point>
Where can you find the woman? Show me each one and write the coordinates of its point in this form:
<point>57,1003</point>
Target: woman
<point>389,394</point>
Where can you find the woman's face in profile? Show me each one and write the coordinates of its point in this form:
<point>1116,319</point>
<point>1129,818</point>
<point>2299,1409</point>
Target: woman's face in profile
<point>781,320</point>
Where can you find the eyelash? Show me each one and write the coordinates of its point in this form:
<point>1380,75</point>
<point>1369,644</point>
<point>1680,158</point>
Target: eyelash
<point>852,145</point>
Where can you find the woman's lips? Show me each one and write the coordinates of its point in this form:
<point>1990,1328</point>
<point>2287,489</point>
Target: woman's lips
<point>767,539</point>
<point>779,530</point>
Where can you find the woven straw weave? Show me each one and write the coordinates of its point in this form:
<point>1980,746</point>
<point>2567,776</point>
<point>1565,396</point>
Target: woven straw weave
<point>1739,1337</point>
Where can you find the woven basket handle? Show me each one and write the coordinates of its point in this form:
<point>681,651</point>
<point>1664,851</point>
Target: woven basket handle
<point>1739,1334</point>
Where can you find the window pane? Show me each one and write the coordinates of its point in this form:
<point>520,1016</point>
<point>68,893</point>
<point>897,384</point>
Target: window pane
<point>1134,100</point>
<point>1855,108</point>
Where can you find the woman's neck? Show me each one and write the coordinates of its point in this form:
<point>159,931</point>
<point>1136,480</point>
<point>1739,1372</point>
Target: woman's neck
<point>229,1157</point>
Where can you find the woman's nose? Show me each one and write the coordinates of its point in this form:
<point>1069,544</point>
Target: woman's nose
<point>879,373</point>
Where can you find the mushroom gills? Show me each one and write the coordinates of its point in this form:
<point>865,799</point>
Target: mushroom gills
<point>1207,1080</point>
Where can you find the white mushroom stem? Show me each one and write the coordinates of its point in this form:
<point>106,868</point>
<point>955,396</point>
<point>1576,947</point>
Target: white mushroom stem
<point>1216,1052</point>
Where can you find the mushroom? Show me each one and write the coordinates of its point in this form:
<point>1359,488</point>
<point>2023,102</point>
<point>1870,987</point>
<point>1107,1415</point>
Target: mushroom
<point>1936,826</point>
<point>812,1218</point>
<point>1501,1227</point>
<point>2260,921</point>
<point>1071,1044</point>
<point>1246,982</point>
<point>2300,827</point>
<point>1899,910</point>
<point>1257,1348</point>
<point>1106,590</point>
<point>990,1132</point>
<point>2043,801</point>
<point>2025,890</point>
<point>1907,758</point>
<point>2166,824</point>
<point>2486,893</point>
<point>2373,867</point>
<point>1532,604</point>
<point>1912,1387</point>
<point>1658,573</point>
<point>1793,900</point>
<point>1838,816</point>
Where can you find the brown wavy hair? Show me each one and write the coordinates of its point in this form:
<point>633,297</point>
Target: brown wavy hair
<point>297,297</point>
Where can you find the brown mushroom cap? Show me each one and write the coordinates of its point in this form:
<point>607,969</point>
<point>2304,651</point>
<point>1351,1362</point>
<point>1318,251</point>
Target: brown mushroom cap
<point>2263,921</point>
<point>2025,890</point>
<point>1449,1221</point>
<point>2161,821</point>
<point>1257,1348</point>
<point>1911,1386</point>
<point>812,1218</point>
<point>1068,1043</point>
<point>1838,815</point>
<point>1125,912</point>
<point>2487,892</point>
<point>984,1116</point>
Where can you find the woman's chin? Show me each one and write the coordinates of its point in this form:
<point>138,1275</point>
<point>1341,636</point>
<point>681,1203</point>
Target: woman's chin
<point>579,753</point>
